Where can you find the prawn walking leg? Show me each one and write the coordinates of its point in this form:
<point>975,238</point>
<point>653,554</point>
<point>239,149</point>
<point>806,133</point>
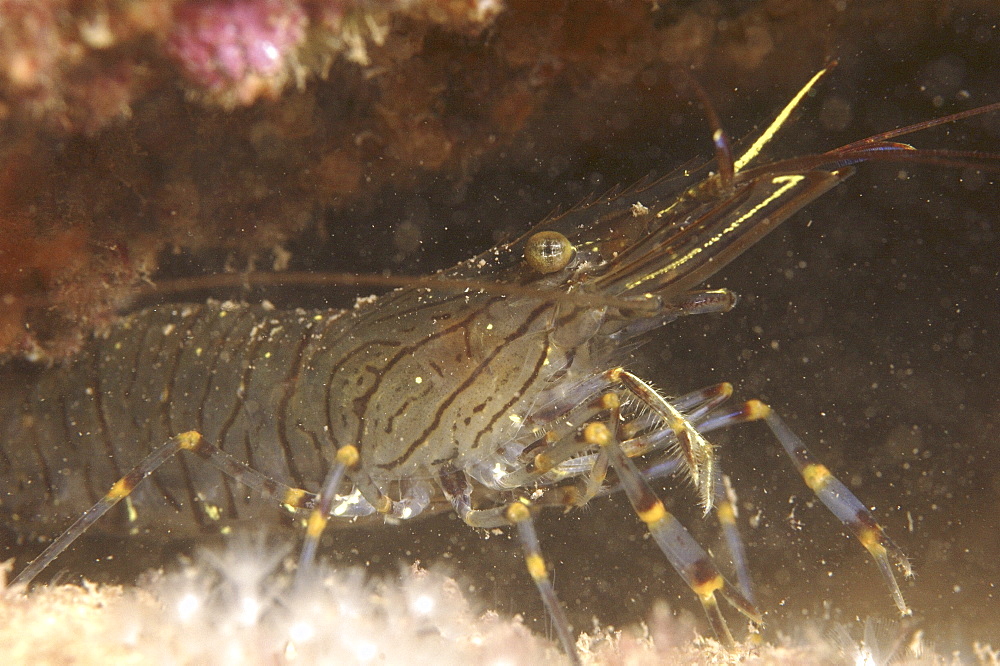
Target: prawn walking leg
<point>683,552</point>
<point>698,409</point>
<point>456,487</point>
<point>831,492</point>
<point>293,498</point>
<point>318,517</point>
<point>348,464</point>
<point>519,514</point>
<point>843,504</point>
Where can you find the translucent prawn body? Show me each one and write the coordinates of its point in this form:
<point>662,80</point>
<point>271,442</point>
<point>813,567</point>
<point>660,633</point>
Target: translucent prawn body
<point>492,389</point>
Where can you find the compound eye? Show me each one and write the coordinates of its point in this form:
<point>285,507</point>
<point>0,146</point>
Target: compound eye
<point>548,252</point>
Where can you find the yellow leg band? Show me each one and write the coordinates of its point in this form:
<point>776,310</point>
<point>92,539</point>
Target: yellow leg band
<point>756,410</point>
<point>293,497</point>
<point>871,538</point>
<point>609,401</point>
<point>543,463</point>
<point>654,514</point>
<point>724,510</point>
<point>348,456</point>
<point>709,587</point>
<point>536,567</point>
<point>597,433</point>
<point>121,489</point>
<point>517,512</point>
<point>189,440</point>
<point>316,524</point>
<point>815,476</point>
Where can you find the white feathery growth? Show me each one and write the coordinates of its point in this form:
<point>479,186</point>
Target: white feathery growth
<point>237,605</point>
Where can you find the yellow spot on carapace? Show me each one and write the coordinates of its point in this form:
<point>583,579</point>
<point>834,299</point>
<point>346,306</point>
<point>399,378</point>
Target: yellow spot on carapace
<point>222,313</point>
<point>418,380</point>
<point>708,588</point>
<point>316,524</point>
<point>514,418</point>
<point>815,476</point>
<point>198,351</point>
<point>489,327</point>
<point>536,567</point>
<point>213,512</point>
<point>267,354</point>
<point>654,514</point>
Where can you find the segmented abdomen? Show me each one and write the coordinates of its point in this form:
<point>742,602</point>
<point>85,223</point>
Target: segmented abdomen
<point>415,382</point>
<point>69,432</point>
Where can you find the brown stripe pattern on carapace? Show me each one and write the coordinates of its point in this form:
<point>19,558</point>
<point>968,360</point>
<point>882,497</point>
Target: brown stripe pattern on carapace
<point>281,390</point>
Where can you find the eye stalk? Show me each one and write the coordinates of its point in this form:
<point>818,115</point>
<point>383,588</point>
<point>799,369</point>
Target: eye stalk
<point>548,252</point>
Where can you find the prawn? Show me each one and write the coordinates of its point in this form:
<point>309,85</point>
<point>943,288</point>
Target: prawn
<point>491,389</point>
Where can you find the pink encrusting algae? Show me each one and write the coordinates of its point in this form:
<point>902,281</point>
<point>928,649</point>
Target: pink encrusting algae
<point>239,50</point>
